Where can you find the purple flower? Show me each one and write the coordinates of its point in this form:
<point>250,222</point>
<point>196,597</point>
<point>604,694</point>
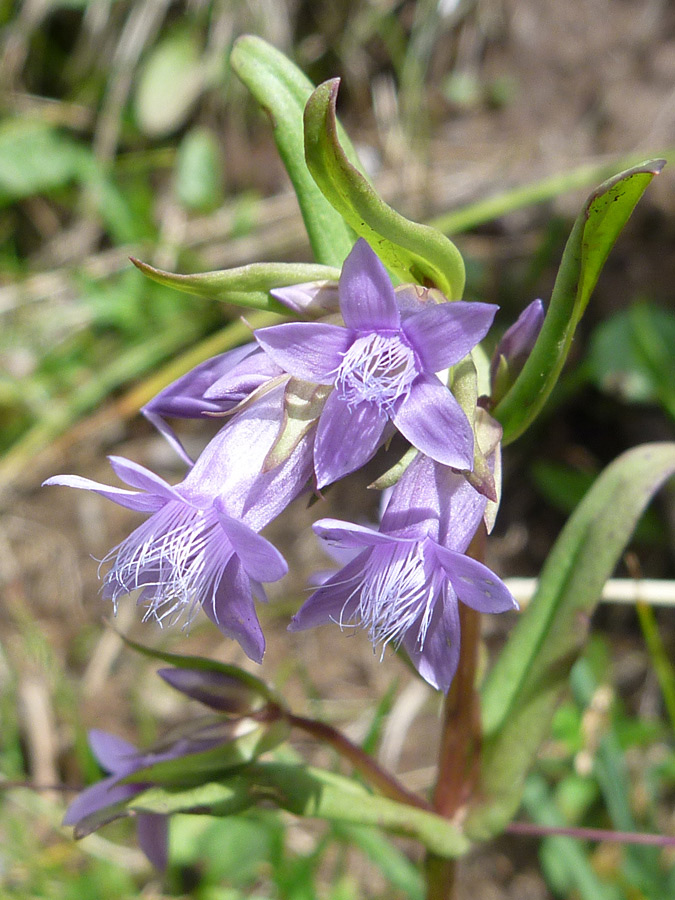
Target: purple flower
<point>404,585</point>
<point>382,366</point>
<point>235,736</point>
<point>213,387</point>
<point>121,759</point>
<point>200,546</point>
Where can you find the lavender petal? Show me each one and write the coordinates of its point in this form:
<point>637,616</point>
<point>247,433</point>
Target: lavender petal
<point>261,559</point>
<point>444,333</point>
<point>130,499</point>
<point>475,584</point>
<point>311,351</point>
<point>367,299</point>
<point>347,437</point>
<point>437,657</point>
<point>433,421</point>
<point>233,611</point>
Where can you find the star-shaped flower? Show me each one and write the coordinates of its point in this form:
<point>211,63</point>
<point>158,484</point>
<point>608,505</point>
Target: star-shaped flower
<point>382,365</point>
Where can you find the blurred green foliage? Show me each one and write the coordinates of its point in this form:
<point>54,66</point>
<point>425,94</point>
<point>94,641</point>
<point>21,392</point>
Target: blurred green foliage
<point>124,133</point>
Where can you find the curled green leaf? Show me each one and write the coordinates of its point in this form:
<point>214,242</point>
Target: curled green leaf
<point>306,791</point>
<point>594,233</point>
<point>412,251</point>
<point>247,286</point>
<point>282,90</point>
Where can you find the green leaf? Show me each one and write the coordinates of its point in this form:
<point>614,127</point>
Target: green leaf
<point>632,355</point>
<point>169,84</point>
<point>400,872</point>
<point>307,792</point>
<point>414,252</point>
<point>202,663</point>
<point>605,213</point>
<point>524,686</point>
<point>199,179</point>
<point>243,740</point>
<point>35,157</point>
<point>245,285</point>
<point>282,91</point>
<point>564,861</point>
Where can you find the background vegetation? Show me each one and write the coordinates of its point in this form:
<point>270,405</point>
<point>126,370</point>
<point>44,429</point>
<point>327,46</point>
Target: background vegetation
<point>125,133</point>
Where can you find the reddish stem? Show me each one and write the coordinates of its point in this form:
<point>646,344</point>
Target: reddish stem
<point>459,756</point>
<point>362,762</point>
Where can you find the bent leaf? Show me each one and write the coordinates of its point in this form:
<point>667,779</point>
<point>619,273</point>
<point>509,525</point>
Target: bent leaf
<point>282,90</point>
<point>594,233</point>
<point>306,791</point>
<point>523,688</point>
<point>245,285</point>
<point>414,252</point>
<point>240,742</point>
<point>255,685</point>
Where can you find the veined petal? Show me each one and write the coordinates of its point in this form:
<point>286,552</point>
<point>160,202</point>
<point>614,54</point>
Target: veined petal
<point>414,504</point>
<point>475,584</point>
<point>308,350</point>
<point>348,534</point>
<point>437,657</point>
<point>138,476</point>
<point>433,421</point>
<point>367,299</point>
<point>233,611</point>
<point>444,333</point>
<point>335,601</point>
<point>121,496</point>
<point>461,509</point>
<point>346,438</point>
<point>260,559</point>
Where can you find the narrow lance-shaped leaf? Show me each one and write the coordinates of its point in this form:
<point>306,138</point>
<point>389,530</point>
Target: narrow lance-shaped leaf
<point>523,688</point>
<point>282,90</point>
<point>412,251</point>
<point>605,213</point>
<point>245,285</point>
<point>310,792</point>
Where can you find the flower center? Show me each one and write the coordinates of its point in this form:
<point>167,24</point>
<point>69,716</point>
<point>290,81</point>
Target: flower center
<point>395,592</point>
<point>177,557</point>
<point>377,368</point>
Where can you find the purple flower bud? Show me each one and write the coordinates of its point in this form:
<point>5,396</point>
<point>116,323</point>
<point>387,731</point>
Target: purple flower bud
<point>214,387</point>
<point>514,348</point>
<point>218,690</point>
<point>311,299</point>
<point>121,759</point>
